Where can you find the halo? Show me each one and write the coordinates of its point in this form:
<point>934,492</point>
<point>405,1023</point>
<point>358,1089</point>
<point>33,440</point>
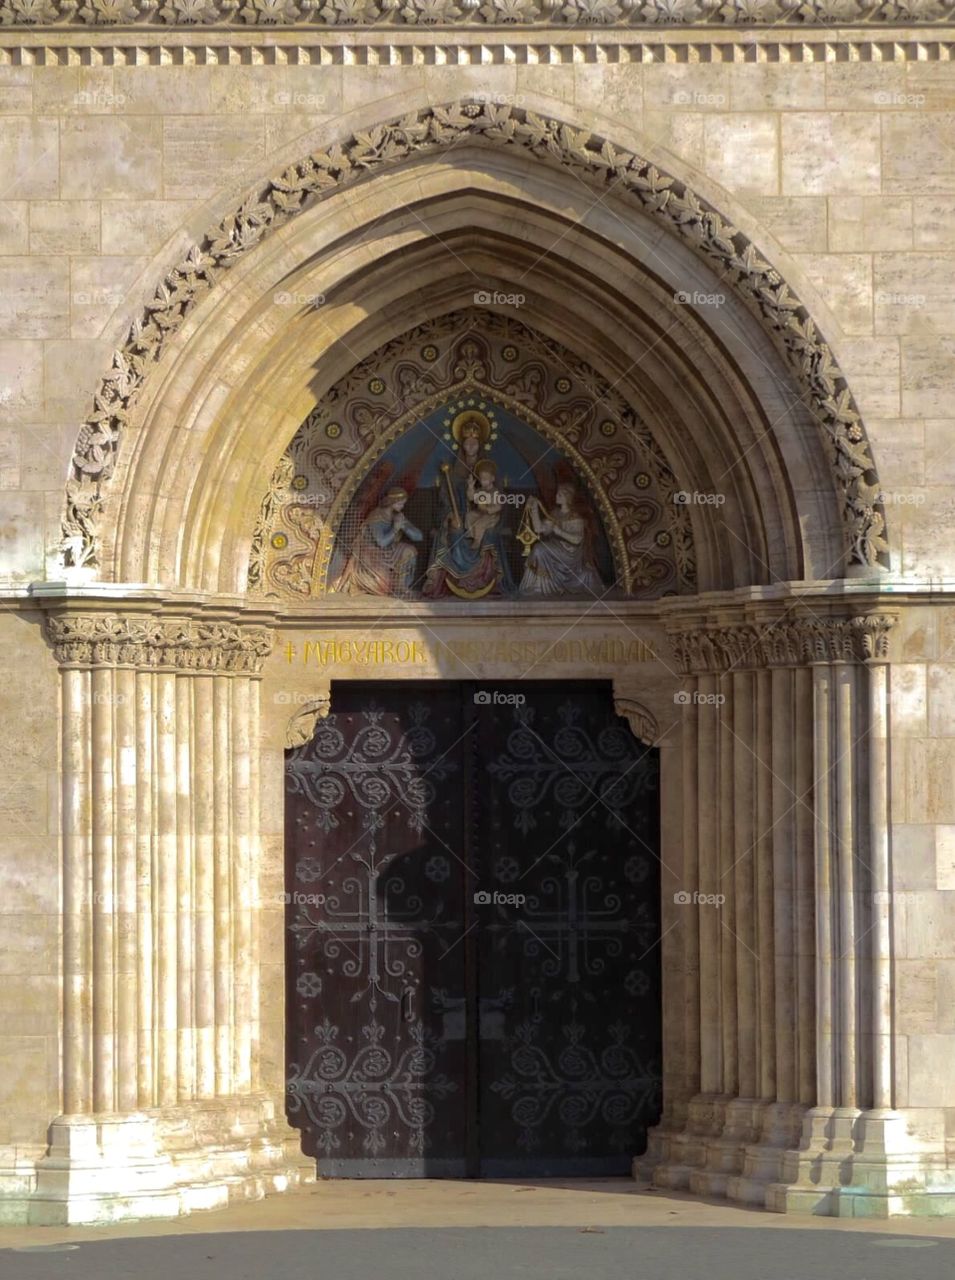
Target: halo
<point>468,418</point>
<point>485,464</point>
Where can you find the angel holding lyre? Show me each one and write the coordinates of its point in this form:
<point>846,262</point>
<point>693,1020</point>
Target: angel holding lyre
<point>558,547</point>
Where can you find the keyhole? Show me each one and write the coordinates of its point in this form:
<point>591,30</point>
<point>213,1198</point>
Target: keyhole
<point>407,1010</point>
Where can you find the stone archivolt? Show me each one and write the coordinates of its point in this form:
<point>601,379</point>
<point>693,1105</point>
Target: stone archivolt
<point>506,14</point>
<point>786,642</point>
<point>431,130</point>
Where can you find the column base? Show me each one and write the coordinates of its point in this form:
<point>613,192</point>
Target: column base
<point>161,1163</point>
<point>864,1164</point>
<point>848,1163</point>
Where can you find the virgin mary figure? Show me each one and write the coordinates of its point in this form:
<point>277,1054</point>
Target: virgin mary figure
<point>560,560</point>
<point>468,557</point>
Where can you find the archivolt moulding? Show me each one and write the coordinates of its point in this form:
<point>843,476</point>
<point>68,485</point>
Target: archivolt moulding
<point>429,130</point>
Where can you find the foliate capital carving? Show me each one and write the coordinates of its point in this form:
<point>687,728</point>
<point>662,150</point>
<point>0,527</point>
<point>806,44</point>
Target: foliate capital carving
<point>788,642</point>
<point>181,644</point>
<point>301,727</point>
<point>642,723</point>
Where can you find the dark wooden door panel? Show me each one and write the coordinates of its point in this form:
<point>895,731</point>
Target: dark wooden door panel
<point>377,1073</point>
<point>569,955</point>
<point>473,932</point>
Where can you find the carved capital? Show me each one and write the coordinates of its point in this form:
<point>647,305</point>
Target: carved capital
<point>642,723</point>
<point>181,644</point>
<point>301,727</point>
<point>788,642</point>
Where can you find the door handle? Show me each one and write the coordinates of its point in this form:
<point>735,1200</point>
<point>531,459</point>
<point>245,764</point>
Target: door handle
<point>407,1004</point>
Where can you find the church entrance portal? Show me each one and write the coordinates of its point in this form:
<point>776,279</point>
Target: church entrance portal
<point>473,928</point>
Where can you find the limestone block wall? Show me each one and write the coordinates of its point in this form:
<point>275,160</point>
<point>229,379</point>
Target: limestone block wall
<point>923,803</point>
<point>30,950</point>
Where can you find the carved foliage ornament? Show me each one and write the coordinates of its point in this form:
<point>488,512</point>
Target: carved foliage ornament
<point>788,642</point>
<point>107,640</point>
<point>165,14</point>
<point>433,129</point>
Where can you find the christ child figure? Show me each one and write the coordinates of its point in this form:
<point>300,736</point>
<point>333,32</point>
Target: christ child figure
<point>485,502</point>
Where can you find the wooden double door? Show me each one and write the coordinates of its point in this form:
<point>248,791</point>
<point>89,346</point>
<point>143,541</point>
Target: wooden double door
<point>473,926</point>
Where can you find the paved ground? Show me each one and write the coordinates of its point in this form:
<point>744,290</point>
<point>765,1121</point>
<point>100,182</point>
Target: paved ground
<point>485,1231</point>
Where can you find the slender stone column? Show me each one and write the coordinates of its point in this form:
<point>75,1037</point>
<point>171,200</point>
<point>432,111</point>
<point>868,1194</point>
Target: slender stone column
<point>127,915</point>
<point>167,912</point>
<point>691,885</point>
<point>783,828</point>
<point>222,878</point>
<point>77,874</point>
<point>241,886</point>
<point>765,909</point>
<point>825,953</point>
<point>255,858</point>
<point>882,1085</point>
<point>145,851</point>
<point>104,902</point>
<point>804,856</point>
<point>743,881</point>
<point>185,893</point>
<point>708,844</point>
<point>729,760</point>
<point>844,768</point>
<point>203,786</point>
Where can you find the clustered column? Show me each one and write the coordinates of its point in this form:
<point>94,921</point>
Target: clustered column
<point>785,924</point>
<point>160,829</point>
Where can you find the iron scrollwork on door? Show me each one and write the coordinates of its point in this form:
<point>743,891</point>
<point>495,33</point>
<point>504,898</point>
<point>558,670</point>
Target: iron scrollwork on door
<point>472,934</point>
<point>373,910</point>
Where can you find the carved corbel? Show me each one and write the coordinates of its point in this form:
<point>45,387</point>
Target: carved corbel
<point>301,727</point>
<point>642,724</point>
